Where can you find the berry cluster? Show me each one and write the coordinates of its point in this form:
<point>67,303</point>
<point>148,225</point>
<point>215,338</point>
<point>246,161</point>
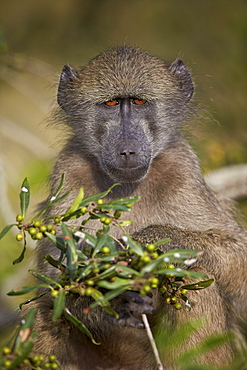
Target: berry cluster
<point>36,229</point>
<point>36,362</point>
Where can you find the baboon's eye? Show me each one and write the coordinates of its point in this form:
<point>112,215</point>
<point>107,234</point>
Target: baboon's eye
<point>139,101</point>
<point>111,103</point>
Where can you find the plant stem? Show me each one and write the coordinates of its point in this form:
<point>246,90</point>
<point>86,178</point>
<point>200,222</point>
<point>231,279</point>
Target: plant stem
<point>152,342</point>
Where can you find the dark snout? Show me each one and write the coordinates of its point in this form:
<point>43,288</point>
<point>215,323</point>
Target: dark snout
<point>126,159</point>
<point>128,154</point>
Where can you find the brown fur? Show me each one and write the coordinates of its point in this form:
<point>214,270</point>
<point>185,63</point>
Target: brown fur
<point>175,201</point>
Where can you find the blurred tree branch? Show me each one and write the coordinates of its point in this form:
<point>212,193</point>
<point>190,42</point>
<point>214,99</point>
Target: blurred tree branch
<point>230,181</point>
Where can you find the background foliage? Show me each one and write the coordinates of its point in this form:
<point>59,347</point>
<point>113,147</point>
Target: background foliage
<point>38,37</point>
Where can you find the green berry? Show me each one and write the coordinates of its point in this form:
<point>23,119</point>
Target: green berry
<point>106,250</point>
<point>32,231</point>
<point>168,300</point>
<point>178,306</point>
<point>39,236</point>
<point>154,255</point>
<point>47,365</point>
<point>102,219</point>
<point>107,266</point>
<point>89,291</point>
<point>56,220</point>
<point>19,237</point>
<point>154,280</point>
<point>53,232</point>
<point>54,293</point>
<point>90,282</point>
<point>52,358</point>
<point>147,288</point>
<point>96,270</point>
<point>171,266</point>
<point>82,291</point>
<point>150,247</point>
<point>49,227</point>
<point>54,366</point>
<point>83,210</point>
<point>184,291</point>
<point>19,218</point>
<point>145,259</point>
<point>43,228</point>
<point>7,363</point>
<point>174,299</point>
<point>6,350</point>
<point>37,223</point>
<point>143,292</point>
<point>100,201</point>
<point>107,221</point>
<point>117,214</point>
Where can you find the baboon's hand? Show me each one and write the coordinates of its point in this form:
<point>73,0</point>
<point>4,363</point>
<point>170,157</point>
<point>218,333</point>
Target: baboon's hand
<point>131,306</point>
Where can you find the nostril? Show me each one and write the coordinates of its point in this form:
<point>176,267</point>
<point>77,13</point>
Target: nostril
<point>127,153</point>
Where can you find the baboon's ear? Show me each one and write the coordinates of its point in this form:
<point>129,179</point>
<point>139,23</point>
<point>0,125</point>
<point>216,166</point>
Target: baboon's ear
<point>182,74</point>
<point>68,76</point>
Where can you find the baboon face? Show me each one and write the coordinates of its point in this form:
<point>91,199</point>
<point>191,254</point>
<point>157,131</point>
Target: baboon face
<point>125,107</point>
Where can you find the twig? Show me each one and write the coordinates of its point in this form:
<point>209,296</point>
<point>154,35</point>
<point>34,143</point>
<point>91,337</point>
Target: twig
<point>152,341</point>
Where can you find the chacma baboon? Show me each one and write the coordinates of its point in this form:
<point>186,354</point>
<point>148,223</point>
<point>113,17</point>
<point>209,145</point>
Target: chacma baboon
<point>125,109</point>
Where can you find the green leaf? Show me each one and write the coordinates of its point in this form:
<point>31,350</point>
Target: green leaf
<point>118,283</point>
<point>101,301</point>
<point>71,251</point>
<point>125,223</point>
<point>57,241</point>
<point>32,299</point>
<point>21,256</point>
<point>125,271</point>
<point>112,294</point>
<point>51,261</point>
<point>175,272</point>
<point>27,323</point>
<point>85,272</point>
<point>75,205</point>
<point>24,290</point>
<point>59,304</point>
<point>54,198</point>
<point>137,248</point>
<point>162,241</point>
<point>94,198</point>
<point>24,196</point>
<point>51,202</point>
<point>25,350</point>
<point>60,186</point>
<point>199,285</point>
<point>122,204</point>
<point>89,239</point>
<point>107,274</point>
<point>152,265</point>
<point>195,275</point>
<point>44,278</point>
<point>6,230</point>
<point>102,237</point>
<point>78,324</point>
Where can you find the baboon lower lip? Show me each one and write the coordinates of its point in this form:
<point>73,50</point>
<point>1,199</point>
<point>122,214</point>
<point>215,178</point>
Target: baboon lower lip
<point>128,174</point>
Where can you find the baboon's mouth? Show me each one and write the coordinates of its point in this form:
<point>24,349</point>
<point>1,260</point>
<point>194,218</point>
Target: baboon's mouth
<point>128,174</point>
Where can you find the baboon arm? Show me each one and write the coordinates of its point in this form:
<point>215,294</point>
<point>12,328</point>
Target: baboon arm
<point>223,255</point>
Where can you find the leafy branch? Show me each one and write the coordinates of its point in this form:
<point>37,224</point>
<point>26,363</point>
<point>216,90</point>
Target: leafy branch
<point>93,263</point>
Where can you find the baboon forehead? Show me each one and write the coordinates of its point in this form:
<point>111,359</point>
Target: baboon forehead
<point>126,71</point>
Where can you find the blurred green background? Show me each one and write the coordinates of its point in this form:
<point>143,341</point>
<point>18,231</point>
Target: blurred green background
<point>38,37</point>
